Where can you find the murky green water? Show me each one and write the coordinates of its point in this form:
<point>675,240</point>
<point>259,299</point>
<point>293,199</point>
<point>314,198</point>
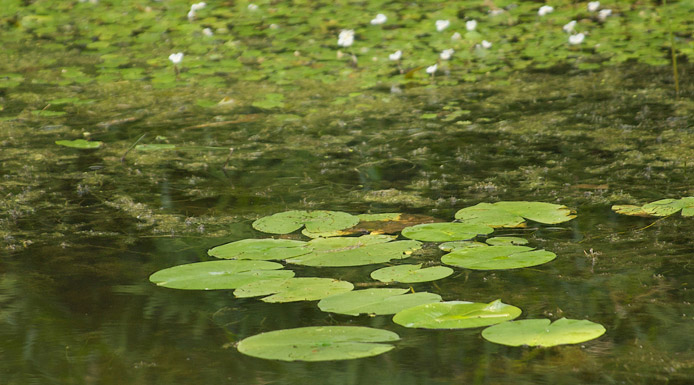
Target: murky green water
<point>81,230</point>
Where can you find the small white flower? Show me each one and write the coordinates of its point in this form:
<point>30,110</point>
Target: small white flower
<point>191,15</point>
<point>446,54</point>
<point>176,57</point>
<point>395,56</point>
<point>593,6</point>
<point>577,38</point>
<point>252,7</point>
<point>456,36</point>
<point>569,27</point>
<point>471,25</point>
<point>207,32</point>
<point>197,6</point>
<point>486,44</point>
<point>545,9</point>
<point>604,13</point>
<point>346,38</point>
<point>432,69</point>
<point>442,24</point>
<point>379,19</point>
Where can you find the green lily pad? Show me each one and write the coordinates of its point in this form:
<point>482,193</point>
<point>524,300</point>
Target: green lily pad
<point>504,241</point>
<point>539,332</point>
<point>48,113</point>
<point>318,343</point>
<point>497,257</point>
<point>259,249</point>
<point>450,246</point>
<point>411,273</point>
<point>444,232</point>
<point>315,221</point>
<point>659,208</point>
<point>512,214</point>
<point>354,251</point>
<point>456,315</point>
<point>79,143</point>
<point>215,275</point>
<point>293,289</point>
<point>375,301</point>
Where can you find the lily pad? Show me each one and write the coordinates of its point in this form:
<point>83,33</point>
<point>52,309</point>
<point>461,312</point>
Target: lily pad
<point>497,257</point>
<point>354,251</point>
<point>293,289</point>
<point>375,301</point>
<point>456,315</point>
<point>444,232</point>
<point>411,273</point>
<point>79,143</point>
<point>450,246</point>
<point>503,241</point>
<point>215,275</point>
<point>259,249</point>
<point>318,343</point>
<point>539,332</point>
<point>155,147</point>
<point>659,208</point>
<point>512,214</point>
<point>315,221</point>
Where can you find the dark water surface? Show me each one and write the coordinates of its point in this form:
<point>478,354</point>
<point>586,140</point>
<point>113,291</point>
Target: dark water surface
<point>82,230</point>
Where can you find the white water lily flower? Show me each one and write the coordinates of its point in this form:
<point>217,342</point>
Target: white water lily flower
<point>442,24</point>
<point>593,6</point>
<point>252,7</point>
<point>346,38</point>
<point>486,44</point>
<point>176,57</point>
<point>456,36</point>
<point>432,69</point>
<point>395,56</point>
<point>545,9</point>
<point>207,32</point>
<point>569,27</point>
<point>379,19</point>
<point>577,38</point>
<point>194,8</point>
<point>604,13</point>
<point>447,53</point>
<point>471,25</point>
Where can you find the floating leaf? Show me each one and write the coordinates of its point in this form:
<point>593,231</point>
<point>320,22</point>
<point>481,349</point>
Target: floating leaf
<point>388,223</point>
<point>411,273</point>
<point>79,143</point>
<point>539,332</point>
<point>659,208</point>
<point>293,289</point>
<point>511,214</point>
<point>497,257</point>
<point>364,250</point>
<point>214,275</point>
<point>375,301</point>
<point>456,315</point>
<point>450,246</point>
<point>259,249</point>
<point>318,343</point>
<point>315,221</point>
<point>48,113</point>
<point>503,241</point>
<point>155,147</point>
<point>443,232</point>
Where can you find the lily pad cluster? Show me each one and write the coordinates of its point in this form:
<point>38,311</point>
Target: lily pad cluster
<point>250,268</point>
<point>659,208</point>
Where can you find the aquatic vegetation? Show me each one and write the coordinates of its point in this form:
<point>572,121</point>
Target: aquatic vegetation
<point>217,275</point>
<point>80,144</point>
<point>543,332</point>
<point>379,301</point>
<point>497,257</point>
<point>292,289</point>
<point>456,315</point>
<point>659,208</point>
<point>411,273</point>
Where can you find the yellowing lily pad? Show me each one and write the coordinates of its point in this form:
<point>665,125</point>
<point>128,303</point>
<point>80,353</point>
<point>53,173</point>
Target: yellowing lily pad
<point>293,289</point>
<point>375,301</point>
<point>215,275</point>
<point>540,332</point>
<point>354,251</point>
<point>411,273</point>
<point>318,343</point>
<point>317,221</point>
<point>497,257</point>
<point>259,249</point>
<point>444,232</point>
<point>456,315</point>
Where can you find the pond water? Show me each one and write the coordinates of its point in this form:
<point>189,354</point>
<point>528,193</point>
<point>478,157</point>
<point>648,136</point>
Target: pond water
<point>81,230</point>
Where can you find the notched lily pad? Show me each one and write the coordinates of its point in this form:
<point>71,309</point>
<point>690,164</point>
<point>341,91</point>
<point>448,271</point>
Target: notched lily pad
<point>659,208</point>
<point>259,249</point>
<point>293,289</point>
<point>80,144</point>
<point>375,301</point>
<point>540,332</point>
<point>456,315</point>
<point>512,214</point>
<point>317,221</point>
<point>445,232</point>
<point>411,273</point>
<point>497,257</point>
<point>318,343</point>
<point>215,275</point>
